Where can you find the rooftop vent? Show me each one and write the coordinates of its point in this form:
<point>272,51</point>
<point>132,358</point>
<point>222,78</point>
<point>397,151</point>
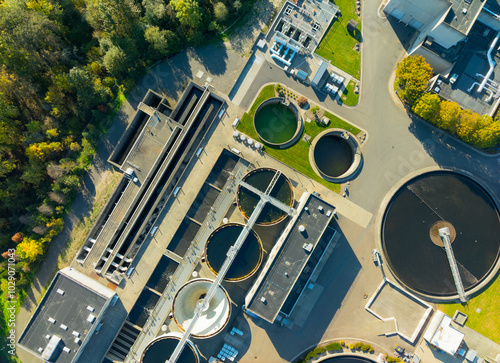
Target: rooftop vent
<point>90,308</point>
<point>61,292</point>
<point>75,333</point>
<point>263,300</point>
<point>91,318</point>
<point>320,208</point>
<point>47,336</point>
<point>308,247</point>
<point>77,340</point>
<point>464,11</point>
<point>302,228</point>
<point>52,320</point>
<point>67,350</point>
<point>63,327</point>
<point>40,349</point>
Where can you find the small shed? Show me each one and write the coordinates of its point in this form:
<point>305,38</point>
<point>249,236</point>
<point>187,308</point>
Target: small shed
<point>353,24</point>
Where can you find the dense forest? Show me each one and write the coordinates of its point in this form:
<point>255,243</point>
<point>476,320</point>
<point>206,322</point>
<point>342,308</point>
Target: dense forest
<point>63,63</point>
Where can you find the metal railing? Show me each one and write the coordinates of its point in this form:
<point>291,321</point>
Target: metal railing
<point>444,233</point>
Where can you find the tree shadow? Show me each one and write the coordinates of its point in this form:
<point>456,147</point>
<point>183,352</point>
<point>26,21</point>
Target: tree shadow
<point>213,57</point>
<point>355,33</point>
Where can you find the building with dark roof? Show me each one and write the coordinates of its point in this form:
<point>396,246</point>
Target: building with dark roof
<point>70,312</point>
<point>292,260</point>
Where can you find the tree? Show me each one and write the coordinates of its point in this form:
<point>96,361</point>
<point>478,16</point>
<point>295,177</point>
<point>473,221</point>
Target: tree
<point>89,94</point>
<point>237,5</point>
<point>112,18</point>
<point>188,12</point>
<point>220,12</point>
<point>487,133</point>
<point>413,74</point>
<point>301,101</point>
<point>162,41</point>
<point>154,10</point>
<point>427,107</point>
<point>467,125</point>
<point>17,238</point>
<point>449,115</point>
<point>115,61</point>
<point>29,249</point>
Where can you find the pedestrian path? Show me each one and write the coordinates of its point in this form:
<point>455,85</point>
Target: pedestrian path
<point>245,79</point>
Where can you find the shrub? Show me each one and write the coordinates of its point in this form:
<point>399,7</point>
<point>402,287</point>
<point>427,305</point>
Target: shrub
<point>334,346</point>
<point>314,353</point>
<point>390,359</point>
<point>278,87</point>
<point>351,346</point>
<point>301,100</point>
<point>358,345</point>
<point>366,347</point>
<point>342,343</point>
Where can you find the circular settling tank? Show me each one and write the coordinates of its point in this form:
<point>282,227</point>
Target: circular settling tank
<point>161,348</point>
<point>276,123</point>
<point>410,233</point>
<point>260,179</point>
<point>333,154</point>
<point>246,262</point>
<point>212,320</point>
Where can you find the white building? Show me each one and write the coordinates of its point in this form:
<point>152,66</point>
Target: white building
<point>442,335</point>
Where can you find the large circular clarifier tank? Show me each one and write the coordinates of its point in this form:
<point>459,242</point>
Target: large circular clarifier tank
<point>248,258</point>
<point>161,349</point>
<point>260,179</point>
<point>413,248</point>
<point>213,319</point>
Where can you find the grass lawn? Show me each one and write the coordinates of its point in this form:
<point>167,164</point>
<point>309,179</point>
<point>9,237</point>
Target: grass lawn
<point>338,44</point>
<point>487,321</point>
<point>350,98</point>
<point>296,156</point>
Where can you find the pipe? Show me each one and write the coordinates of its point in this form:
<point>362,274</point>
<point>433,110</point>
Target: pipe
<point>491,62</point>
<point>491,94</point>
<point>496,16</point>
<point>471,87</point>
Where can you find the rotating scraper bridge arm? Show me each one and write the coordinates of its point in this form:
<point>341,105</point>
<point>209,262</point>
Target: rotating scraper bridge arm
<point>231,254</point>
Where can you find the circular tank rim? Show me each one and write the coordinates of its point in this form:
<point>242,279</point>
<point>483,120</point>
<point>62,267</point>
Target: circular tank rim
<point>380,217</point>
<point>347,355</point>
<point>293,108</point>
<point>261,255</point>
<point>353,143</point>
<point>202,336</point>
<point>171,335</point>
<point>291,199</point>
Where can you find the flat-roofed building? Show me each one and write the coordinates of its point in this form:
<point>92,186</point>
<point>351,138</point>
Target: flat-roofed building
<point>68,315</point>
<point>293,260</point>
<point>442,335</point>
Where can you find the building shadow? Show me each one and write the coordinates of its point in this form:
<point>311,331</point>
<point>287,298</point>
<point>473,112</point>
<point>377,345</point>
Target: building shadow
<point>336,278</point>
<point>406,34</point>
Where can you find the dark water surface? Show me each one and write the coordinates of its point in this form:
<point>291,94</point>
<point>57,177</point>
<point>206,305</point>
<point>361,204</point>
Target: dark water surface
<point>421,202</point>
<point>276,123</point>
<point>246,261</point>
<point>333,155</point>
<point>160,351</point>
